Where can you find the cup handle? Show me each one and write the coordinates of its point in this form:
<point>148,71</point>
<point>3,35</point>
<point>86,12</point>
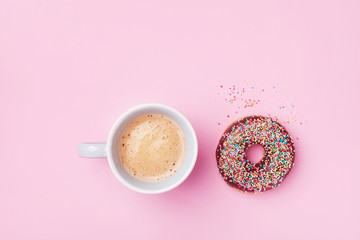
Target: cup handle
<point>92,150</point>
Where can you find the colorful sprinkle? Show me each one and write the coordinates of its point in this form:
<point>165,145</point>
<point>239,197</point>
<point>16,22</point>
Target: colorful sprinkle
<point>246,98</point>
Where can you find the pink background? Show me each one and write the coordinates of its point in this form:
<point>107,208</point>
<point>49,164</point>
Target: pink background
<point>69,69</point>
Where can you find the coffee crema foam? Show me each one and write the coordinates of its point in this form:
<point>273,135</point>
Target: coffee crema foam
<point>152,148</point>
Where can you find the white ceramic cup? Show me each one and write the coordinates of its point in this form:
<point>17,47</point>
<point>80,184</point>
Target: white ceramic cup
<point>110,149</point>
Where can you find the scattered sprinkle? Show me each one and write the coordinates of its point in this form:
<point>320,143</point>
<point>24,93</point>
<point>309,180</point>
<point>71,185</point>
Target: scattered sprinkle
<point>245,101</point>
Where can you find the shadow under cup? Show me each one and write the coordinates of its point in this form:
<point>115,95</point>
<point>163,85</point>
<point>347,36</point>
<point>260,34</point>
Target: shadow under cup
<point>151,187</point>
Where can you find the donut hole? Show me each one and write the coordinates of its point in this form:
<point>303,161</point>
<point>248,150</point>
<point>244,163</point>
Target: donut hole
<point>255,153</point>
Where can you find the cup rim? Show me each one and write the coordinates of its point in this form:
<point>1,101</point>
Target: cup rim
<point>118,123</point>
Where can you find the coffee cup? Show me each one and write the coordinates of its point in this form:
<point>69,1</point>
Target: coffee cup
<point>110,149</point>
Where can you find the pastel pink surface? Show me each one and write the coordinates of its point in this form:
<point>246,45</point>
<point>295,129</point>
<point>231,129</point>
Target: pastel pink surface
<point>68,69</point>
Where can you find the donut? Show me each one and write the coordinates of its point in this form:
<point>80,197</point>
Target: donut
<point>271,170</point>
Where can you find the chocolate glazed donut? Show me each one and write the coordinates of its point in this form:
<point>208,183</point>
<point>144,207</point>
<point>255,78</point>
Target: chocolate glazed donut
<point>271,170</point>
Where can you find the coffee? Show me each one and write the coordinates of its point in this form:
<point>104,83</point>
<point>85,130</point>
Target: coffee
<point>152,148</point>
